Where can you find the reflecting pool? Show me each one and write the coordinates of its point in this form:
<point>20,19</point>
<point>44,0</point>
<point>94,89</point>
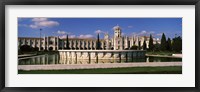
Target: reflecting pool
<point>55,59</point>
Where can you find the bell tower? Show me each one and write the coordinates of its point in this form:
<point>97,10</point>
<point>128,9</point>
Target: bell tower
<point>117,31</point>
<point>117,37</point>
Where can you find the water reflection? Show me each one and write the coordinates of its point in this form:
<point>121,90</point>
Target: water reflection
<point>55,59</point>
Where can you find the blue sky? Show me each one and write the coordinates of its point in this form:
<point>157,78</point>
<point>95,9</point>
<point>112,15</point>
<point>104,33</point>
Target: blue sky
<point>88,27</point>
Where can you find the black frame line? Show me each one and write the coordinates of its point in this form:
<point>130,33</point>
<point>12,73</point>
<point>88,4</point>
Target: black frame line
<point>3,3</point>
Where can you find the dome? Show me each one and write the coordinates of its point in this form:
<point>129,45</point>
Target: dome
<point>116,27</point>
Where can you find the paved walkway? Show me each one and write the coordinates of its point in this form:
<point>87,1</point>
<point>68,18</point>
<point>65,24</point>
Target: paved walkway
<point>174,56</point>
<point>26,55</point>
<point>92,66</point>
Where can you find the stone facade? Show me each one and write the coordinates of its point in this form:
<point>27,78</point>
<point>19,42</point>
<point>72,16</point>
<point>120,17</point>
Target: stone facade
<point>46,43</point>
<point>117,42</point>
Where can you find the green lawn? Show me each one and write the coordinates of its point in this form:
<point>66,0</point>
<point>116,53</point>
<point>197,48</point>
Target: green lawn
<point>131,70</point>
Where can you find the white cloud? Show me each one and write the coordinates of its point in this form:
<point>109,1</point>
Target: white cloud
<point>63,36</point>
<point>145,33</point>
<point>43,22</point>
<point>47,23</point>
<point>33,26</point>
<point>160,34</point>
<point>98,31</point>
<point>69,36</point>
<point>72,36</point>
<point>39,19</point>
<point>80,36</point>
<point>86,36</point>
<point>61,32</point>
<point>151,32</point>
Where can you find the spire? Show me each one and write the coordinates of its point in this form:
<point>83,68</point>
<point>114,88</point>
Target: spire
<point>117,27</point>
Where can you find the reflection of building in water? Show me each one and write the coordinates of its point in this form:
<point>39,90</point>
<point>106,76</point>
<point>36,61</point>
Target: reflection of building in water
<point>117,42</point>
<point>55,59</point>
<point>40,60</point>
<point>101,54</point>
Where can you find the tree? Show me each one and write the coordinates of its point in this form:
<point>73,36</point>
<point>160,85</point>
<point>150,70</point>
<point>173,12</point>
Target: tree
<point>67,42</point>
<point>163,42</point>
<point>151,46</point>
<point>144,45</point>
<point>98,42</point>
<point>26,48</point>
<point>169,44</point>
<point>134,47</point>
<point>177,44</point>
<point>36,49</point>
<point>139,45</point>
<point>157,46</point>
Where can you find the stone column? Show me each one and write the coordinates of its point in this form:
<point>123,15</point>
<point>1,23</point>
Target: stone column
<point>132,42</point>
<point>114,43</point>
<point>24,42</point>
<point>54,43</point>
<point>44,43</point>
<point>121,46</point>
<point>83,45</point>
<point>47,43</point>
<point>91,45</point>
<point>57,42</point>
<point>79,44</point>
<point>39,44</point>
<point>95,47</point>
<point>33,43</point>
<point>125,42</point>
<point>103,45</point>
<point>106,45</point>
<point>30,42</point>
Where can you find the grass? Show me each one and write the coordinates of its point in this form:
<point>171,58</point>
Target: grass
<point>130,70</point>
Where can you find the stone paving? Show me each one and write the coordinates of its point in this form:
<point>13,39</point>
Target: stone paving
<point>92,66</point>
<point>173,56</point>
